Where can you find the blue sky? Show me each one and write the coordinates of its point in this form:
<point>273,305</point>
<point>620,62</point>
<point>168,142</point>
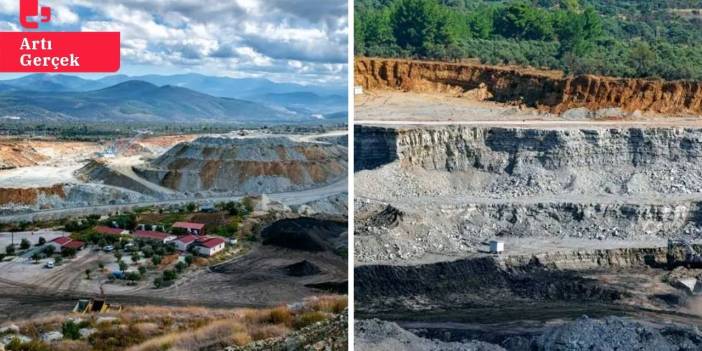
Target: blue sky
<point>302,41</point>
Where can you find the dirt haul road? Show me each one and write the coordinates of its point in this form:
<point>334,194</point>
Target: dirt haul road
<point>290,198</point>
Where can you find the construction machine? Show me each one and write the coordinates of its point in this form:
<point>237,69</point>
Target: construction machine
<point>96,305</point>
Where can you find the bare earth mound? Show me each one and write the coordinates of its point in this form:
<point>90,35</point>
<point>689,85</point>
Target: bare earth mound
<point>246,165</point>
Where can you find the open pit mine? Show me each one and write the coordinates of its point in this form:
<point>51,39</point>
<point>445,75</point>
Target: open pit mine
<point>534,234</point>
<point>95,178</point>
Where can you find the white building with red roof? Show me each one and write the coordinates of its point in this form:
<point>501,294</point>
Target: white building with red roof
<point>183,243</point>
<point>101,229</point>
<point>64,242</point>
<point>191,228</point>
<point>209,246</point>
<point>152,235</point>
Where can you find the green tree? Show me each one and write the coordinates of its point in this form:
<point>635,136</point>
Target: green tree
<point>49,250</point>
<point>25,244</point>
<point>10,249</point>
<point>68,252</point>
<point>481,22</point>
<point>158,282</point>
<point>189,260</point>
<point>420,25</point>
<point>642,58</point>
<point>156,260</point>
<point>578,33</point>
<point>122,266</point>
<point>36,257</point>
<point>133,276</point>
<point>521,20</point>
<point>169,275</point>
<point>180,267</point>
<point>42,241</point>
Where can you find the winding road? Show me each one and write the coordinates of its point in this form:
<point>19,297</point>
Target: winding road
<point>288,198</point>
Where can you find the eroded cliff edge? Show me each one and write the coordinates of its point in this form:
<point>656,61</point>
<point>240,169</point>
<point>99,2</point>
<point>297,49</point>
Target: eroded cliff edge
<point>540,90</point>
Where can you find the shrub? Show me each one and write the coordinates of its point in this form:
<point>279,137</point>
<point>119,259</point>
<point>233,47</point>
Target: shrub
<point>158,282</point>
<point>156,260</point>
<point>169,275</point>
<point>10,250</point>
<point>309,318</point>
<point>133,276</point>
<point>68,252</point>
<point>70,330</point>
<point>281,315</point>
<point>241,338</point>
<point>180,267</point>
<point>269,331</point>
<point>42,241</point>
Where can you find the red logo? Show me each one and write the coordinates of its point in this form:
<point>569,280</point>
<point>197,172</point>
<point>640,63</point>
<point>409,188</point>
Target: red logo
<point>31,14</point>
<point>55,52</point>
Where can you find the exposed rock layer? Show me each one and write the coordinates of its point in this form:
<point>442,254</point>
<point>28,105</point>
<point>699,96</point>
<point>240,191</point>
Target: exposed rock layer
<point>249,165</point>
<point>29,196</point>
<point>538,90</point>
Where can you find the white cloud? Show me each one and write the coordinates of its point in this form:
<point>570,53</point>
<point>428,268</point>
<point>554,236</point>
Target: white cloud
<point>295,40</point>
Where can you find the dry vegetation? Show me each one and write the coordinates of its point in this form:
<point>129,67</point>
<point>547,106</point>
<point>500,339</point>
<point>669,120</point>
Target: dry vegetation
<point>153,328</point>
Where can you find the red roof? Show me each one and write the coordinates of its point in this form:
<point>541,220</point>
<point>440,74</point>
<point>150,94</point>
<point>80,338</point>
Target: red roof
<point>107,230</point>
<point>187,239</point>
<point>74,244</point>
<point>210,242</point>
<point>62,240</point>
<point>189,225</point>
<point>151,235</point>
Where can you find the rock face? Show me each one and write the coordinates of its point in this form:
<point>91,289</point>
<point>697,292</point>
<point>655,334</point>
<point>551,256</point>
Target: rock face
<point>556,160</point>
<point>555,94</point>
<point>462,185</point>
<point>11,196</point>
<point>246,165</point>
<point>98,172</point>
<point>18,201</point>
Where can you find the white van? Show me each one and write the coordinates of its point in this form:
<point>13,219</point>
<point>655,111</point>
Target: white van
<point>49,264</point>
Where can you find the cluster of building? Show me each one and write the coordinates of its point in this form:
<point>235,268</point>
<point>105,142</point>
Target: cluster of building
<point>194,237</point>
<point>63,242</point>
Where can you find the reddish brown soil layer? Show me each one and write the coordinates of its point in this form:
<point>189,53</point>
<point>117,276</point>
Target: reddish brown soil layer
<point>28,196</point>
<point>540,90</point>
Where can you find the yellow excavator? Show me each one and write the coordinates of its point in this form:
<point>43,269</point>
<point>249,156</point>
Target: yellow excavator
<point>96,305</point>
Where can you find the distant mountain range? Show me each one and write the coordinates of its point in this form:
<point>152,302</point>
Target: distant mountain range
<point>186,98</point>
<point>216,86</point>
<point>138,101</point>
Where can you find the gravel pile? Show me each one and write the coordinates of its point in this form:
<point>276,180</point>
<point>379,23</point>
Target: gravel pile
<point>377,335</point>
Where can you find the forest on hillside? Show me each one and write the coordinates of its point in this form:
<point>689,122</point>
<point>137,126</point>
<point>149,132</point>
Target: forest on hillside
<point>643,39</point>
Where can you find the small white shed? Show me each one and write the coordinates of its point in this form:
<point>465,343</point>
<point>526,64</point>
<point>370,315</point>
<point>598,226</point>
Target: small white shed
<point>497,247</point>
